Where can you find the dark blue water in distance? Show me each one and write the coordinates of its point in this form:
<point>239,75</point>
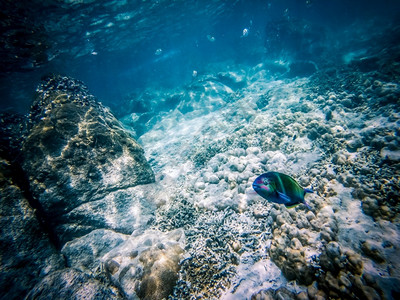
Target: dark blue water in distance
<point>111,47</point>
<point>200,149</point>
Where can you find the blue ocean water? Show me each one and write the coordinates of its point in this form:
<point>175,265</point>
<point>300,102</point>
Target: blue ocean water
<point>132,133</point>
<point>112,45</point>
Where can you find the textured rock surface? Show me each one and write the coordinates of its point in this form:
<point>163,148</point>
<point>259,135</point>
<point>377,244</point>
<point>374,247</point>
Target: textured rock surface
<point>12,129</point>
<point>147,265</point>
<point>26,252</point>
<point>341,275</point>
<point>72,284</point>
<point>281,293</point>
<point>142,266</point>
<point>75,154</point>
<point>85,253</point>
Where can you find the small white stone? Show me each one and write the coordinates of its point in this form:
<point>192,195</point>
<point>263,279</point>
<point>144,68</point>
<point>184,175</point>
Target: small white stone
<point>253,150</point>
<point>213,179</point>
<point>227,194</point>
<point>238,167</point>
<point>296,244</point>
<point>231,178</point>
<point>304,180</point>
<point>239,152</point>
<point>200,185</point>
<point>220,175</point>
<point>310,215</point>
<point>390,155</point>
<point>214,167</point>
<point>236,246</point>
<point>314,172</point>
<point>243,177</point>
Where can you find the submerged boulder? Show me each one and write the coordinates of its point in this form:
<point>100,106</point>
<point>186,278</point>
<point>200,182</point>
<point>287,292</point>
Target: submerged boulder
<point>72,284</point>
<point>75,154</point>
<point>26,251</point>
<point>85,253</point>
<point>12,128</point>
<point>147,265</point>
<point>280,293</point>
<point>144,265</point>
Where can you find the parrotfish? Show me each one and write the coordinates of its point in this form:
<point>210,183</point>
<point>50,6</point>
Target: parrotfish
<point>280,188</point>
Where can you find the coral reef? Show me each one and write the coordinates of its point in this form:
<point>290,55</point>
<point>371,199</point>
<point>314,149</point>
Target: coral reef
<point>324,137</point>
<point>217,244</point>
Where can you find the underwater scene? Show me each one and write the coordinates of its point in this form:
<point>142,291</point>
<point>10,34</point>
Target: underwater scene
<point>190,149</point>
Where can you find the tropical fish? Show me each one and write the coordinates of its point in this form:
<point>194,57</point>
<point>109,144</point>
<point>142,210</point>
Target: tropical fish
<point>211,38</point>
<point>158,51</point>
<point>280,188</point>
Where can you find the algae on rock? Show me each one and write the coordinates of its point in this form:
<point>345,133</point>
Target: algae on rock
<point>76,152</point>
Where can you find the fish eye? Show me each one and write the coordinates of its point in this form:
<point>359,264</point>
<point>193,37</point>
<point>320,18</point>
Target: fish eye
<point>265,181</point>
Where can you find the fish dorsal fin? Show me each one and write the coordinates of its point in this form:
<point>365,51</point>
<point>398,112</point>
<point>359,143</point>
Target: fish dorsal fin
<point>285,199</point>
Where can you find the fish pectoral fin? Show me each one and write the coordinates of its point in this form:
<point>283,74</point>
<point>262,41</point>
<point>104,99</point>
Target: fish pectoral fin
<point>308,191</point>
<point>285,199</point>
<point>306,204</point>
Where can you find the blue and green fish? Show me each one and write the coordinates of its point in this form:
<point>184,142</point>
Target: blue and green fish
<point>280,188</point>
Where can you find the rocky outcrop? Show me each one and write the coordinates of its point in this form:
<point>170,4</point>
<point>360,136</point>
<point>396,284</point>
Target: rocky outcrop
<point>144,266</point>
<point>85,253</point>
<point>26,251</point>
<point>79,160</point>
<point>281,293</point>
<point>72,284</point>
<point>12,128</point>
<point>71,176</point>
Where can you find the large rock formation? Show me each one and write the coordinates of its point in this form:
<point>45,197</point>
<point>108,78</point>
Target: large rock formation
<point>26,252</point>
<point>71,170</point>
<point>142,266</point>
<point>72,284</point>
<point>71,174</point>
<point>80,161</point>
